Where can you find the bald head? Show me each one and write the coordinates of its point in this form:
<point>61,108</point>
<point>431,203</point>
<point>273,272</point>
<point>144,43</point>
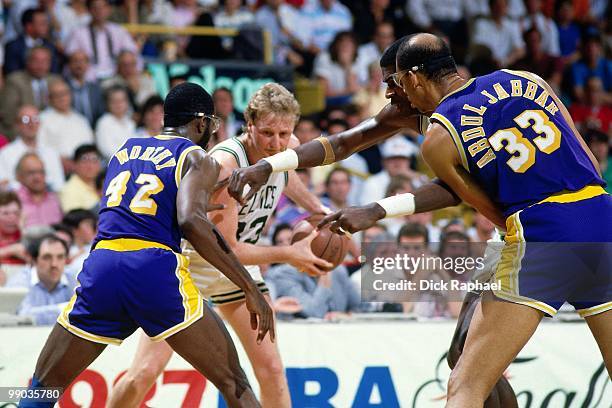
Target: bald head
<point>59,96</point>
<point>30,173</point>
<point>427,54</point>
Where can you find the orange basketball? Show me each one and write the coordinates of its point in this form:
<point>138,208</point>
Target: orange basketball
<point>326,245</point>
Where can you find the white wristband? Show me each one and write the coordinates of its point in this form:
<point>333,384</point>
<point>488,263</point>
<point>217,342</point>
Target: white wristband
<point>283,161</point>
<point>398,205</point>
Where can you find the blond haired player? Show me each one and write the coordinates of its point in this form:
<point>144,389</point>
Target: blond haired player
<point>271,116</point>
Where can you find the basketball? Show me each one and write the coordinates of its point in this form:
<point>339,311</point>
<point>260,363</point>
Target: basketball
<point>326,245</point>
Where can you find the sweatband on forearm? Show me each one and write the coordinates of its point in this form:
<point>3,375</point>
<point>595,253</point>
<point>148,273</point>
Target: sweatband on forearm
<point>283,161</point>
<point>398,205</point>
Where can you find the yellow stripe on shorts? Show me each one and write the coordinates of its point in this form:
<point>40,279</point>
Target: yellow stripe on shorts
<point>573,196</point>
<point>129,244</point>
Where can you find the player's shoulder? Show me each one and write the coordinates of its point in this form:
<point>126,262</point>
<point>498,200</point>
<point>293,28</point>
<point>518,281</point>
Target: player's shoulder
<point>226,154</point>
<point>199,159</point>
<point>523,74</point>
<point>437,141</point>
<point>438,149</point>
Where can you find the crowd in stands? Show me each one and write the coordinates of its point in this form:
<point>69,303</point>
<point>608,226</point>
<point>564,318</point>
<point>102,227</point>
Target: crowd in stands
<point>74,86</point>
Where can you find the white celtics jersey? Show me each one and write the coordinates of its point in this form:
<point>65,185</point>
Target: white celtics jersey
<point>251,219</point>
<point>253,216</point>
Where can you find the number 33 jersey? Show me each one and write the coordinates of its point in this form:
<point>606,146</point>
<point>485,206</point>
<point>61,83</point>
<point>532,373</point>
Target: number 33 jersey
<point>514,139</point>
<point>140,190</point>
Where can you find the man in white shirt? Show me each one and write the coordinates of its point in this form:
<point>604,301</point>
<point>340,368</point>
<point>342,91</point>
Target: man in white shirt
<point>501,35</point>
<point>61,127</point>
<point>27,125</point>
<point>326,18</point>
<point>480,8</point>
<point>139,85</point>
<point>101,40</point>
<point>396,153</point>
<point>371,52</point>
<point>432,15</point>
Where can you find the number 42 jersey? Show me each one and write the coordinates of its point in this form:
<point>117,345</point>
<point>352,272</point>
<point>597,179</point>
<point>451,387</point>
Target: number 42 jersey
<point>514,140</point>
<point>140,190</point>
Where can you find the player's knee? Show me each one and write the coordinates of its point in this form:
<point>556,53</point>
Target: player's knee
<point>142,379</point>
<point>270,372</point>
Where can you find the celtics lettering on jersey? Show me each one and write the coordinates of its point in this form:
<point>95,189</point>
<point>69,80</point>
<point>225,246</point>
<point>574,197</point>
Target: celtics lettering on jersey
<point>252,216</point>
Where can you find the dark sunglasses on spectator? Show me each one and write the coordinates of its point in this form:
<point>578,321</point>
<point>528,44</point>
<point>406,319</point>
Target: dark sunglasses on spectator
<point>26,120</point>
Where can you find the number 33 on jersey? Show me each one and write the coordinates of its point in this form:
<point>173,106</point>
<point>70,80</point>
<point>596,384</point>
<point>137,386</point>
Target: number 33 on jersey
<point>505,125</point>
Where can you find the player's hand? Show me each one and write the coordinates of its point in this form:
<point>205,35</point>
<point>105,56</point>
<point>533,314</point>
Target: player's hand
<point>220,184</point>
<point>262,316</point>
<point>353,219</point>
<point>305,261</point>
<point>254,176</point>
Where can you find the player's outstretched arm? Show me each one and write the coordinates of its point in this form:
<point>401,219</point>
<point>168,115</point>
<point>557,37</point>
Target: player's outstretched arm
<point>322,151</point>
<point>431,196</point>
<point>226,221</point>
<point>200,175</point>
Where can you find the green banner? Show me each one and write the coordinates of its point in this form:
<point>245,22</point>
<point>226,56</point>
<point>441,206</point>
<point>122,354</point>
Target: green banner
<point>243,79</point>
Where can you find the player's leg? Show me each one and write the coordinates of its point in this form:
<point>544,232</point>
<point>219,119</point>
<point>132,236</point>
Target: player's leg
<point>149,362</point>
<point>93,318</point>
<point>601,327</point>
<point>463,323</point>
<point>497,333</point>
<point>61,360</point>
<point>502,395</point>
<point>264,357</point>
<point>207,346</point>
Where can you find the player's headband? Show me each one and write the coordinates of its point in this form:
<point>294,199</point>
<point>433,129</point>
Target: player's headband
<point>429,65</point>
<point>434,63</point>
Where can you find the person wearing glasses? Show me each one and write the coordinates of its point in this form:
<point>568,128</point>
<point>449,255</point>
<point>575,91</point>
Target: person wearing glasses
<point>506,144</point>
<point>156,191</point>
<point>80,192</point>
<point>270,117</point>
<point>27,125</point>
<point>399,114</point>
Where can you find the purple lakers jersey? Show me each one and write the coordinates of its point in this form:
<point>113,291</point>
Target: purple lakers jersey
<point>140,190</point>
<point>513,140</point>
